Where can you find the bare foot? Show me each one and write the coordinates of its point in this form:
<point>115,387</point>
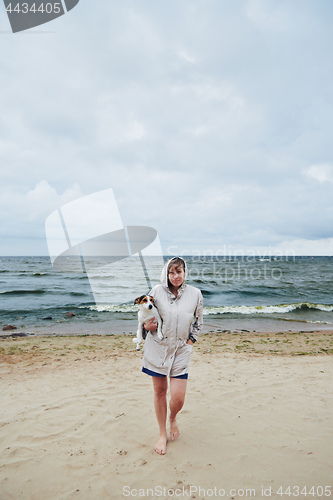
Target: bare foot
<point>160,446</point>
<point>174,429</point>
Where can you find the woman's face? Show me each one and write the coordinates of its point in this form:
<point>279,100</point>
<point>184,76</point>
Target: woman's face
<point>176,275</point>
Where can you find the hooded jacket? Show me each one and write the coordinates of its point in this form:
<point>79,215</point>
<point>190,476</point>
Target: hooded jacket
<point>181,316</point>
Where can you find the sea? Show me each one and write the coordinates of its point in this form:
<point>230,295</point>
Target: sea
<point>249,293</point>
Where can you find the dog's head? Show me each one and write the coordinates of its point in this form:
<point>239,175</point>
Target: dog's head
<point>145,301</point>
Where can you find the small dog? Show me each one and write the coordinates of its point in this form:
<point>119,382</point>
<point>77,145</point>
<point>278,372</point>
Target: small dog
<point>147,310</point>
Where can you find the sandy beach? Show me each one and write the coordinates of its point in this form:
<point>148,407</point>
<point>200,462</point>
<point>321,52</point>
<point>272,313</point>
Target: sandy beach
<point>77,419</point>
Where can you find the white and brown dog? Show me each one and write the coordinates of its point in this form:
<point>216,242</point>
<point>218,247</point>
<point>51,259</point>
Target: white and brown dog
<point>147,310</point>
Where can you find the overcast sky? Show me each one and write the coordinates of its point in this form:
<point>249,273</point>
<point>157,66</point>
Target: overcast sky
<point>211,120</point>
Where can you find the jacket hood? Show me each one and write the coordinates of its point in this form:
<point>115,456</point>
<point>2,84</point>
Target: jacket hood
<point>164,273</point>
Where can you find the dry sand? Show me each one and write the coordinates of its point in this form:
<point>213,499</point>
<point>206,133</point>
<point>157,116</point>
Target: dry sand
<point>77,419</point>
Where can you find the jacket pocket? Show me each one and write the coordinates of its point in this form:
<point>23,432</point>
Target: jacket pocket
<point>182,359</point>
<point>155,351</point>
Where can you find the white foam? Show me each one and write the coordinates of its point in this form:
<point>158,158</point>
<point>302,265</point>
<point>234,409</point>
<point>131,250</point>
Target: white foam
<point>281,308</point>
<point>125,308</point>
<point>246,310</point>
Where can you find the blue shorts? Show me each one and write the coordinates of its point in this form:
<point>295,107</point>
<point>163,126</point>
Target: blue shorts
<point>155,374</point>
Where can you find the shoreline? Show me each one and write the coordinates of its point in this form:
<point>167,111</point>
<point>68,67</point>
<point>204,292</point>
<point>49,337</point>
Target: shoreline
<point>128,326</point>
<point>16,348</point>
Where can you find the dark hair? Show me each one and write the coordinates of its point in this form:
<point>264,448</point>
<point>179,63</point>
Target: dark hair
<point>176,261</point>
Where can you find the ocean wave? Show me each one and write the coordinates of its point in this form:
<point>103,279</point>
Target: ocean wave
<point>320,322</point>
<point>124,308</point>
<point>23,292</point>
<point>28,273</point>
<point>280,308</point>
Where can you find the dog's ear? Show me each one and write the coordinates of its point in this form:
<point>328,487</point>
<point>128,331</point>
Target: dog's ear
<point>138,299</point>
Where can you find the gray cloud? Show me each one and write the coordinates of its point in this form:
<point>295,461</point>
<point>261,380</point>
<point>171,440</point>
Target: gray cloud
<point>211,120</point>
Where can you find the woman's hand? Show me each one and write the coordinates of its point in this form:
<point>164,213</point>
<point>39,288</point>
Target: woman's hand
<point>151,326</point>
<point>189,342</point>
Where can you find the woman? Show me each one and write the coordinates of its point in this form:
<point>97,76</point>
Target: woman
<point>180,307</point>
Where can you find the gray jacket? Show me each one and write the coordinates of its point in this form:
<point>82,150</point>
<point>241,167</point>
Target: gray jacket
<point>182,316</point>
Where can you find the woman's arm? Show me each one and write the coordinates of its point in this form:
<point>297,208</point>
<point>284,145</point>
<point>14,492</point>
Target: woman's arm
<point>151,326</point>
<point>198,314</point>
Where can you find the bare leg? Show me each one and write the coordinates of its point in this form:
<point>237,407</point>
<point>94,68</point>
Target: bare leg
<point>177,393</point>
<point>160,391</point>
